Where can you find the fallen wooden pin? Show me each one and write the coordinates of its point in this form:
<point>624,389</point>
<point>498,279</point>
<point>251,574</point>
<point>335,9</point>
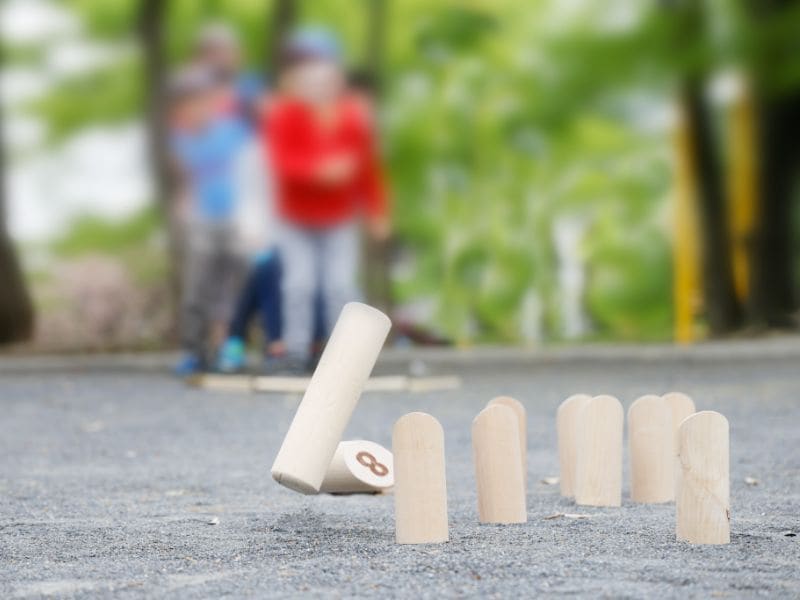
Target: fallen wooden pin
<point>359,467</point>
<point>331,396</point>
<point>298,385</point>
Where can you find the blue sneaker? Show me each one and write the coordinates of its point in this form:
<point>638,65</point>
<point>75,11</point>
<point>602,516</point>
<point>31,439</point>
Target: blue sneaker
<point>232,355</point>
<point>188,364</point>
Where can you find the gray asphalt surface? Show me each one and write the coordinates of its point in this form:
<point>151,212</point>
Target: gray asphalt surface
<point>134,486</point>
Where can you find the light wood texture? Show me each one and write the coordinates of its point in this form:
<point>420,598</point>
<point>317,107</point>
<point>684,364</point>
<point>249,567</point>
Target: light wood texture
<point>359,467</point>
<point>681,406</point>
<point>420,488</point>
<point>522,422</point>
<point>598,465</point>
<point>652,450</point>
<point>434,384</point>
<point>222,383</point>
<point>275,383</point>
<point>381,383</point>
<point>567,428</point>
<point>332,394</point>
<point>498,466</point>
<point>702,502</point>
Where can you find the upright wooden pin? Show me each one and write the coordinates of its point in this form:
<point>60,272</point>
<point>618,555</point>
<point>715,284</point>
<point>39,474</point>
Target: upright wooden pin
<point>420,488</point>
<point>681,406</point>
<point>359,467</point>
<point>598,465</point>
<point>652,450</point>
<point>498,466</point>
<point>702,500</point>
<point>332,394</point>
<point>567,428</point>
<point>522,422</point>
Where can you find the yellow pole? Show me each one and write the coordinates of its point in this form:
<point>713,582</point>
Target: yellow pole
<point>687,296</point>
<point>742,186</point>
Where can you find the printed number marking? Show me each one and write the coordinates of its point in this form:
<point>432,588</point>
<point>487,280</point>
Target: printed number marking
<point>369,461</point>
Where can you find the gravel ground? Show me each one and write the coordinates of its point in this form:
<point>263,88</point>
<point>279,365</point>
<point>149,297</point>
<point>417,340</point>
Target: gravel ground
<point>133,485</point>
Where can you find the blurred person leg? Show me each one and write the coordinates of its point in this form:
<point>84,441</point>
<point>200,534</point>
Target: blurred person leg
<point>227,273</point>
<point>232,355</point>
<point>270,274</point>
<point>318,338</point>
<point>339,259</point>
<point>299,251</point>
<point>196,301</point>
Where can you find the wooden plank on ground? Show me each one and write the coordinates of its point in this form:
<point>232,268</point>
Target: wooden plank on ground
<point>298,385</point>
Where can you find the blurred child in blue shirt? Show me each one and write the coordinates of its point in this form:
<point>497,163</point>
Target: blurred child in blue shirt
<point>205,144</point>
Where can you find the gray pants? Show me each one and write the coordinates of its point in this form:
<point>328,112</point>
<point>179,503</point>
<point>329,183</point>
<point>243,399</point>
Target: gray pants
<point>213,272</point>
<point>316,260</point>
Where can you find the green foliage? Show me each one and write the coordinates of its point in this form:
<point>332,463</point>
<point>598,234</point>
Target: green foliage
<point>500,119</point>
<point>91,234</point>
<point>137,241</point>
<point>108,95</point>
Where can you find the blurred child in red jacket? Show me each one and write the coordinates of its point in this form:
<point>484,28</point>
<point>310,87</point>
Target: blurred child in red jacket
<point>321,145</point>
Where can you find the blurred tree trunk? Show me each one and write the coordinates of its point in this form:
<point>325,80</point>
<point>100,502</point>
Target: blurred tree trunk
<point>282,19</point>
<point>375,42</point>
<point>16,309</point>
<point>722,308</point>
<point>152,16</point>
<point>378,257</point>
<point>773,298</point>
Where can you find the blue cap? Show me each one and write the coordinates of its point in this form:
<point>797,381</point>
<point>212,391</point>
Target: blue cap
<point>310,43</point>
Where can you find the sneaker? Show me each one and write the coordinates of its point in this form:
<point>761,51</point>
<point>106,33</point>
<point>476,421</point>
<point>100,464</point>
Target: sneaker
<point>232,355</point>
<point>188,364</point>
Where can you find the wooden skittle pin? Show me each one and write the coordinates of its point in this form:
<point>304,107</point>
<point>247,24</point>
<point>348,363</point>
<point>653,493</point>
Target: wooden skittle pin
<point>567,428</point>
<point>332,394</point>
<point>522,422</point>
<point>652,450</point>
<point>498,466</point>
<point>598,468</point>
<point>420,488</point>
<point>702,494</point>
<point>359,467</point>
<point>681,406</point>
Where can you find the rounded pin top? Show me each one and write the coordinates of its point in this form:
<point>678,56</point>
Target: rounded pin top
<point>367,310</point>
<point>643,402</point>
<point>573,400</point>
<point>421,421</point>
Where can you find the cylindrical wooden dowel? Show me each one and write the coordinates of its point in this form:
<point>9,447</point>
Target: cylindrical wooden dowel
<point>598,468</point>
<point>332,394</point>
<point>359,467</point>
<point>498,466</point>
<point>702,501</point>
<point>567,429</point>
<point>522,422</point>
<point>681,406</point>
<point>420,488</point>
<point>652,450</point>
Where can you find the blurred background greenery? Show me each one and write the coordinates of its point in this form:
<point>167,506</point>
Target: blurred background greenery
<point>534,149</point>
